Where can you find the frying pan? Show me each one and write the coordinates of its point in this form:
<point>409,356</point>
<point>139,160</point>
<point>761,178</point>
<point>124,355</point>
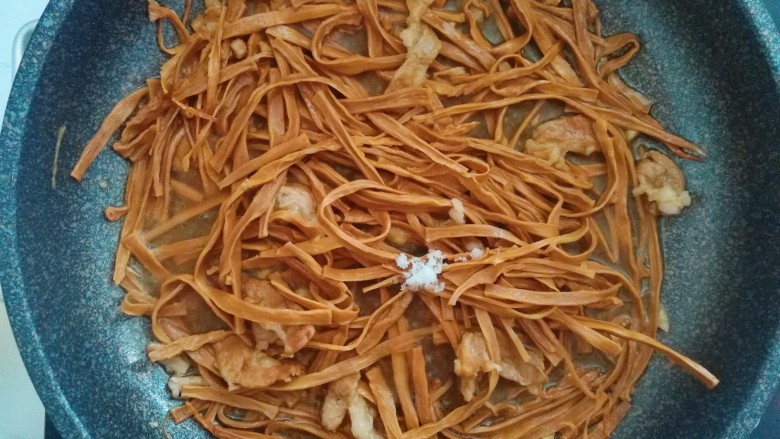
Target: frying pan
<point>713,67</point>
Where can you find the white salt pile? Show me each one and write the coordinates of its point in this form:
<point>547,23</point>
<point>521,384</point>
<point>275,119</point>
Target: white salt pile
<point>422,273</point>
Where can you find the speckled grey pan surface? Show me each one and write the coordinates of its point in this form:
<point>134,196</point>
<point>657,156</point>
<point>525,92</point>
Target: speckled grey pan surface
<point>714,68</point>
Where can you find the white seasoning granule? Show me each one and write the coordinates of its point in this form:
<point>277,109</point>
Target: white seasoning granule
<point>422,273</point>
<point>402,261</point>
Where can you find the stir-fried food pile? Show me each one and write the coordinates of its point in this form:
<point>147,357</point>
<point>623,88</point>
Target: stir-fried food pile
<point>374,219</point>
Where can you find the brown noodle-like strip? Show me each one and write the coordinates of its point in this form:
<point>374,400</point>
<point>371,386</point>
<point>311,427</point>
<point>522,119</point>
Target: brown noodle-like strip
<point>291,151</point>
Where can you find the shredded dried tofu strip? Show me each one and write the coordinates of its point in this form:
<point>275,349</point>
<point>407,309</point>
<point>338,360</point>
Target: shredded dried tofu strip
<point>330,201</point>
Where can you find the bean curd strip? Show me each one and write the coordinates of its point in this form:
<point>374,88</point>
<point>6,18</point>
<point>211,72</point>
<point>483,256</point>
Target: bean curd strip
<point>294,160</point>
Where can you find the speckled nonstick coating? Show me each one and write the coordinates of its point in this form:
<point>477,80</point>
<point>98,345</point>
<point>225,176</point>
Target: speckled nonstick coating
<point>714,68</point>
